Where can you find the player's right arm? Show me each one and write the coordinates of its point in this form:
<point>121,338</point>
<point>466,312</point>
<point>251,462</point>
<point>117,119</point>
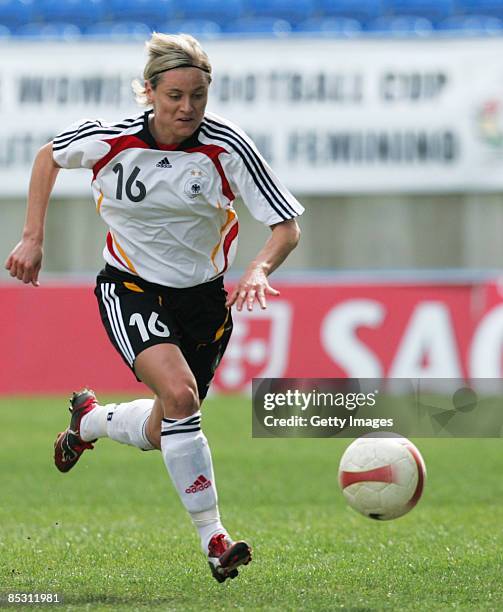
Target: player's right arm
<point>25,260</point>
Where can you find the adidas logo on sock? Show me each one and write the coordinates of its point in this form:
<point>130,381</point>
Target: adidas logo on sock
<point>200,483</point>
<point>164,163</point>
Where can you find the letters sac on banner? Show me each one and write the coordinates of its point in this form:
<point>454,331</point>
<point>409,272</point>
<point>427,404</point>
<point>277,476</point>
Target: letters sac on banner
<point>331,116</point>
<point>396,330</point>
<point>338,330</point>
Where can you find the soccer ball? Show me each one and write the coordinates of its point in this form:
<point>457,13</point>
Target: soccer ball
<point>382,477</point>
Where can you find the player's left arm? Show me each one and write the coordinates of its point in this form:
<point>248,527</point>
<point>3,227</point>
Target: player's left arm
<point>254,284</point>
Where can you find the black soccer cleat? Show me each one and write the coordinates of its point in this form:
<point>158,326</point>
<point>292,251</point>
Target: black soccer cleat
<point>225,556</point>
<point>69,446</point>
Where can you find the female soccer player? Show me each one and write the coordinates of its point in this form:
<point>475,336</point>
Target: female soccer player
<point>164,182</point>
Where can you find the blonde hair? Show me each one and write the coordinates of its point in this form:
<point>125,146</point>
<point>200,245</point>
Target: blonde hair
<point>168,51</point>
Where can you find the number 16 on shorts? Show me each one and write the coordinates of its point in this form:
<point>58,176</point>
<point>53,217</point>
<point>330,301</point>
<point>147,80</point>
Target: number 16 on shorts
<point>134,321</point>
<point>154,326</point>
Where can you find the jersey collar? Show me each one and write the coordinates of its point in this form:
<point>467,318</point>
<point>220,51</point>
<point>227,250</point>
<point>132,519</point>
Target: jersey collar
<point>146,135</point>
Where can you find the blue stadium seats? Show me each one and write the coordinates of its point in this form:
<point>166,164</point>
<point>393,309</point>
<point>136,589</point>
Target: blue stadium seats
<point>296,11</point>
<point>14,13</point>
<point>407,25</point>
<point>471,25</point>
<point>210,18</point>
<point>80,12</point>
<point>151,12</point>
<point>220,11</point>
<point>130,30</point>
<point>361,10</point>
<point>50,31</point>
<point>342,26</point>
<point>197,27</point>
<point>434,10</point>
<point>491,8</point>
<point>259,25</point>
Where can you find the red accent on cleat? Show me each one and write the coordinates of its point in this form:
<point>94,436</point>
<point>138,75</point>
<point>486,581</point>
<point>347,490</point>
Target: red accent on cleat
<point>69,446</point>
<point>225,556</point>
<point>218,545</point>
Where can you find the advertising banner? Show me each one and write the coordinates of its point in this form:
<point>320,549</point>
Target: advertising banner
<point>331,116</point>
<point>53,340</point>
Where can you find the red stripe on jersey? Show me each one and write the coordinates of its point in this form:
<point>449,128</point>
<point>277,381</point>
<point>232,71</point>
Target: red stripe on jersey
<point>110,245</point>
<point>121,143</point>
<point>227,243</point>
<point>213,151</point>
<point>381,474</point>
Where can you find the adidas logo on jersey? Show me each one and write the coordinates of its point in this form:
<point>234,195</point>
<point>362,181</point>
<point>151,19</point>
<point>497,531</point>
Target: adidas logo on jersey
<point>199,484</point>
<point>164,163</point>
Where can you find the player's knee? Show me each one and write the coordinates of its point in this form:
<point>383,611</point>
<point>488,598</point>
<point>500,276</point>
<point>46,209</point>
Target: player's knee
<point>180,400</point>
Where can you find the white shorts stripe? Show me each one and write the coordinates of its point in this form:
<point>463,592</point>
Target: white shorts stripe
<point>109,306</point>
<point>121,320</point>
<point>112,319</point>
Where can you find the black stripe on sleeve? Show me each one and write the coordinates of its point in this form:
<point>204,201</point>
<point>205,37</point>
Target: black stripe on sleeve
<point>125,122</point>
<point>60,147</point>
<point>89,125</point>
<point>250,170</point>
<point>257,163</point>
<point>63,145</point>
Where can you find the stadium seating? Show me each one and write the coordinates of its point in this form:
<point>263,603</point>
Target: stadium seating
<point>132,30</point>
<point>407,25</point>
<point>259,25</point>
<point>321,26</point>
<point>219,11</point>
<point>293,12</point>
<point>78,12</point>
<point>197,27</point>
<point>340,18</point>
<point>472,25</point>
<point>49,31</point>
<point>150,12</point>
<point>363,11</point>
<point>15,13</point>
<point>489,8</point>
<point>434,10</point>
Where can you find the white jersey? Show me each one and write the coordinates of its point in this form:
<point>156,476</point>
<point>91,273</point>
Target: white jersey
<point>169,209</point>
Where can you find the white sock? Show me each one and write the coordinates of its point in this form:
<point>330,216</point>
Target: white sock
<point>94,424</point>
<point>207,524</point>
<point>187,458</point>
<point>124,423</point>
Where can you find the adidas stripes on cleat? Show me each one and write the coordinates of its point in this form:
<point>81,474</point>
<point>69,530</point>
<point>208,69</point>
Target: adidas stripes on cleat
<point>225,556</point>
<point>69,446</point>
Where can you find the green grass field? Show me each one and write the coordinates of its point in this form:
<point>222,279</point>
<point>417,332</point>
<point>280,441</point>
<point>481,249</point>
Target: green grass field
<point>112,535</point>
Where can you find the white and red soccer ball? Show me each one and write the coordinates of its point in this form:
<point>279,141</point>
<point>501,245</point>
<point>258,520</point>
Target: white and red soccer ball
<point>382,477</point>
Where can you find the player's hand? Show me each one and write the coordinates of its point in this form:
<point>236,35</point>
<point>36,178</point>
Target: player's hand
<point>25,261</point>
<point>252,286</point>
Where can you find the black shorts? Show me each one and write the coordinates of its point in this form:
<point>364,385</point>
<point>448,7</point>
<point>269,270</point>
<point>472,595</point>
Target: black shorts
<point>138,314</point>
